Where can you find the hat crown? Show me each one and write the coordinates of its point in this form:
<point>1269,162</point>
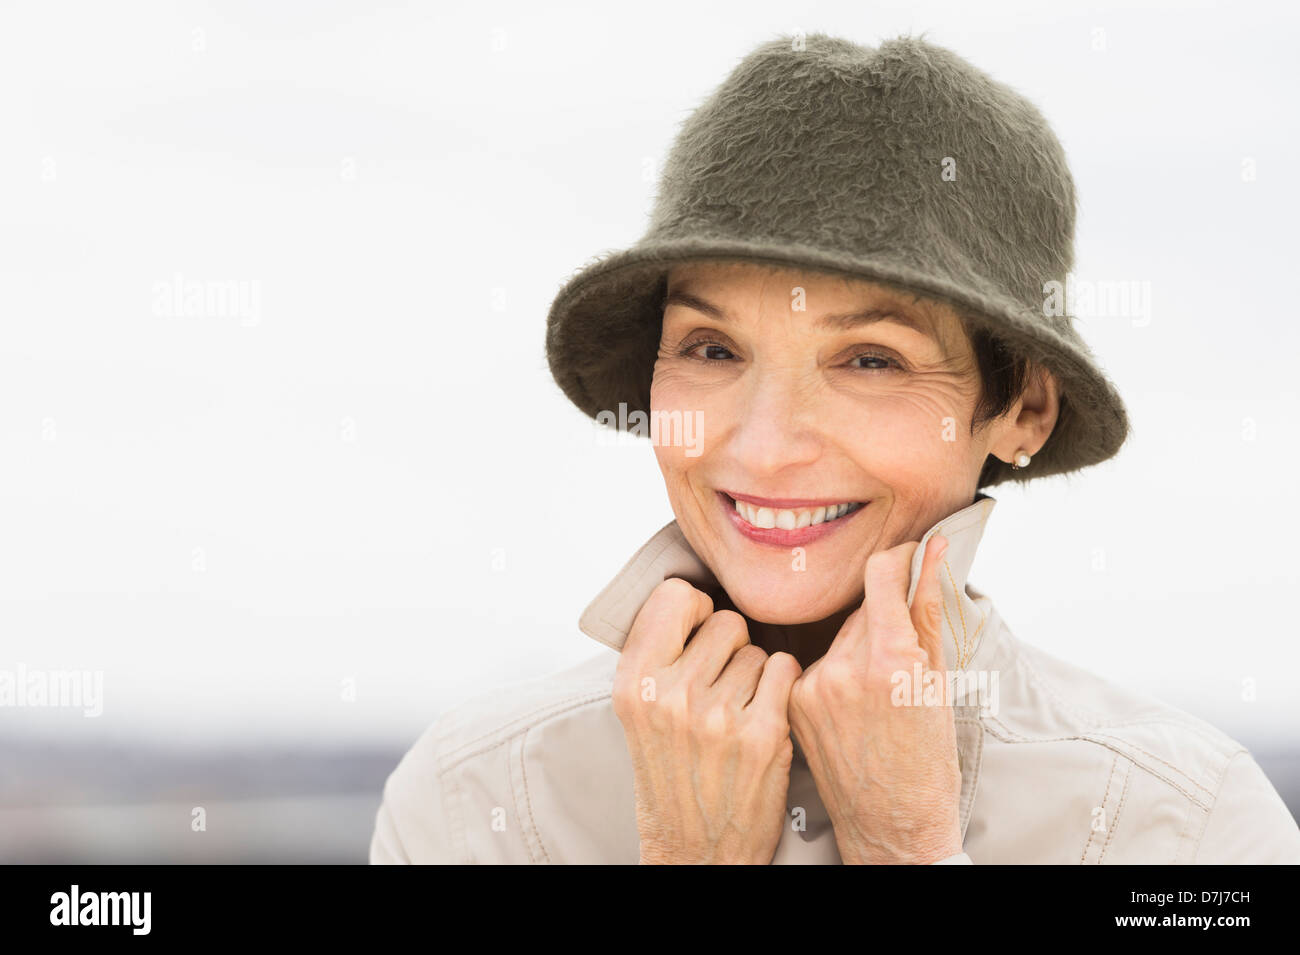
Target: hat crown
<point>903,153</point>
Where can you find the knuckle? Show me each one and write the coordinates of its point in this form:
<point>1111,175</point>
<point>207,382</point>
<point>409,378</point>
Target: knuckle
<point>625,694</point>
<point>785,751</point>
<point>705,601</point>
<point>932,615</point>
<point>800,697</point>
<point>835,675</point>
<point>884,565</point>
<point>880,680</point>
<point>671,599</point>
<point>880,560</point>
<point>673,591</point>
<point>729,623</point>
<point>716,723</point>
<point>761,734</point>
<point>674,706</point>
<point>749,656</point>
<point>783,662</point>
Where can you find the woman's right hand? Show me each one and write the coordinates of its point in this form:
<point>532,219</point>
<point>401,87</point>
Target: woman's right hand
<point>706,723</point>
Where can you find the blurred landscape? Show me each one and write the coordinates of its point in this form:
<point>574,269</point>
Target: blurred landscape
<point>69,803</point>
<point>64,802</point>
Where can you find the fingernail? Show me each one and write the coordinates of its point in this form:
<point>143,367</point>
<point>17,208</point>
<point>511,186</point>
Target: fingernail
<point>940,545</point>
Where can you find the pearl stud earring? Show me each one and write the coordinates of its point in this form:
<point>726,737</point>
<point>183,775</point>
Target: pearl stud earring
<point>1021,461</point>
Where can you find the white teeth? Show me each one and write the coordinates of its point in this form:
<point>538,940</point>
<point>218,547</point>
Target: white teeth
<point>790,519</point>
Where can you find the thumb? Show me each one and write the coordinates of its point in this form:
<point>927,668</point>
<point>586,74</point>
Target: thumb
<point>927,603</point>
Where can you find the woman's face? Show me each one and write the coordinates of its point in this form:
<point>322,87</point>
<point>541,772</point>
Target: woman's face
<point>813,392</point>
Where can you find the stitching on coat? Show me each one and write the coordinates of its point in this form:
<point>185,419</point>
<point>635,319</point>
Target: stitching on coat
<point>967,651</point>
<point>1104,800</point>
<point>461,757</point>
<point>1208,791</point>
<point>975,639</point>
<point>1187,829</point>
<point>959,643</point>
<point>1218,791</point>
<point>1030,671</point>
<point>966,806</point>
<point>1099,742</point>
<point>528,799</point>
<point>452,757</point>
<point>514,796</point>
<point>1120,747</point>
<point>1100,723</point>
<point>1128,775</point>
<point>454,809</point>
<point>948,617</point>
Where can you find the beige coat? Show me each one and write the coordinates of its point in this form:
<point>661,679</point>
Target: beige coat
<point>1058,765</point>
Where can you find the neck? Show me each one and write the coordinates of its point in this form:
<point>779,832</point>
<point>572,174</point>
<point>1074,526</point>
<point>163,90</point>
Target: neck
<point>806,642</point>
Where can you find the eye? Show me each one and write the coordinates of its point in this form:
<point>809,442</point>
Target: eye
<point>715,353</point>
<point>712,352</point>
<point>874,361</point>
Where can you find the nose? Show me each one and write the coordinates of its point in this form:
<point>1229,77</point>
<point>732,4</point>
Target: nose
<point>775,425</point>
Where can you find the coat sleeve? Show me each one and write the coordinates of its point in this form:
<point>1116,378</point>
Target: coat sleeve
<point>1248,823</point>
<point>414,824</point>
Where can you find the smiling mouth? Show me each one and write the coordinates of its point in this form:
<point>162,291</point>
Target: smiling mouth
<point>790,518</point>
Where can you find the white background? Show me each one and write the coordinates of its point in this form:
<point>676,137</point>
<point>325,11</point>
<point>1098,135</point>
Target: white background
<point>408,185</point>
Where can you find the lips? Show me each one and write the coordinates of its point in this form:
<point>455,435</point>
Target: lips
<point>786,522</point>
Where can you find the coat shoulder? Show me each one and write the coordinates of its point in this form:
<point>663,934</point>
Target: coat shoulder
<point>1052,700</point>
<point>487,720</point>
<point>433,809</point>
<point>1197,794</point>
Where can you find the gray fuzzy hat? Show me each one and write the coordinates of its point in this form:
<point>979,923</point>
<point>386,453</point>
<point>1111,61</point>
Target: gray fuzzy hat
<point>827,155</point>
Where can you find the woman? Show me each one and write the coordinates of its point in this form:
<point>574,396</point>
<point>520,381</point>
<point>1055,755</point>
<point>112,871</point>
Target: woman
<point>841,296</point>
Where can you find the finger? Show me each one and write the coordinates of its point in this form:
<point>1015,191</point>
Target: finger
<point>886,618</point>
<point>708,651</point>
<point>664,623</point>
<point>739,679</point>
<point>773,691</point>
<point>927,603</point>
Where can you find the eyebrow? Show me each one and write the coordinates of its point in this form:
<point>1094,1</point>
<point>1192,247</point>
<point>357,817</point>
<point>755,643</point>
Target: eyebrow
<point>838,321</point>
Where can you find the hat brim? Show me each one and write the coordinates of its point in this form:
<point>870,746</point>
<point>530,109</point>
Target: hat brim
<point>604,324</point>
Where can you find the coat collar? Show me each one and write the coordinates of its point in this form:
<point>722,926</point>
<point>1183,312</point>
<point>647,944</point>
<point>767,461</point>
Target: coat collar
<point>970,634</point>
<point>609,616</point>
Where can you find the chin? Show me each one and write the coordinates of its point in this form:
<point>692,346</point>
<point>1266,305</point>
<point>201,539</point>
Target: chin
<point>767,605</point>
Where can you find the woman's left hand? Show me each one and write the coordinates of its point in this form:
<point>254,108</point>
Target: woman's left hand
<point>887,774</point>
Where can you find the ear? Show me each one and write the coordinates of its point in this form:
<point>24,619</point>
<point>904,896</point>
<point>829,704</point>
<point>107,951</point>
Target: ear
<point>1028,423</point>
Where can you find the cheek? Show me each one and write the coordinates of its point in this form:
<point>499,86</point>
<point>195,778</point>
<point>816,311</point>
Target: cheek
<point>681,449</point>
<point>916,440</point>
<point>677,386</point>
<point>925,423</point>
